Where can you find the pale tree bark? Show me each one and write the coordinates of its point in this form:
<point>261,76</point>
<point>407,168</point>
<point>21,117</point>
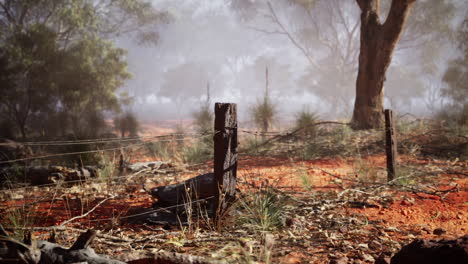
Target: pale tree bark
<point>378,41</point>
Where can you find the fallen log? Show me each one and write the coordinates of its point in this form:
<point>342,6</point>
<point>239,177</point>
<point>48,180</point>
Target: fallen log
<point>422,251</point>
<point>200,187</point>
<point>42,252</point>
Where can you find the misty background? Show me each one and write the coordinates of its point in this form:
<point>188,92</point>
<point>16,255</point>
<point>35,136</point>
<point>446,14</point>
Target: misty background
<point>310,51</point>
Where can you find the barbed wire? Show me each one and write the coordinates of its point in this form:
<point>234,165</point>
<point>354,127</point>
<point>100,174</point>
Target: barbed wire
<point>99,140</point>
<point>101,150</point>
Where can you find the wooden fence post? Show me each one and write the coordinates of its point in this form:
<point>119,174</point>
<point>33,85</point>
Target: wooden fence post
<point>391,144</point>
<point>225,155</point>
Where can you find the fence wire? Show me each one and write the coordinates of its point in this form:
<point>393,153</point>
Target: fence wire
<point>185,138</point>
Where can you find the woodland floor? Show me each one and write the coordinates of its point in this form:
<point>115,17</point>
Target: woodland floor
<point>332,208</point>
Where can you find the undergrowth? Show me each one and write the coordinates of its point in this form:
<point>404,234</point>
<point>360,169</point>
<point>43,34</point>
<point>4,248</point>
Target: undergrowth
<point>261,210</point>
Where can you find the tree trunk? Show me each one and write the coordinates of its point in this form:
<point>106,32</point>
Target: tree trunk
<point>378,42</point>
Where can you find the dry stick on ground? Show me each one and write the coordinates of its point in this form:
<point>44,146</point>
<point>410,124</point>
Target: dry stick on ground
<point>87,213</point>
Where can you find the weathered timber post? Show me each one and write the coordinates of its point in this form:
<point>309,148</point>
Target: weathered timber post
<point>225,156</point>
<point>391,145</point>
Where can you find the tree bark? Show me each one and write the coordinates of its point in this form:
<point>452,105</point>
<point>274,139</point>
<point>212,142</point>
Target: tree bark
<point>378,42</point>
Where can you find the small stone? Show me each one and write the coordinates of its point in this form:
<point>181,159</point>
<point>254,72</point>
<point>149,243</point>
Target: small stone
<point>343,229</point>
<point>341,260</point>
<point>405,202</point>
<point>382,259</point>
<point>363,246</point>
<point>426,229</point>
<point>368,258</point>
<point>375,245</point>
<point>439,231</point>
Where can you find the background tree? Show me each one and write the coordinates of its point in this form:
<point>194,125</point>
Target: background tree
<point>204,117</point>
<point>127,123</point>
<point>29,60</point>
<point>57,64</point>
<point>456,78</point>
<point>378,41</point>
<point>327,34</point>
<point>263,113</point>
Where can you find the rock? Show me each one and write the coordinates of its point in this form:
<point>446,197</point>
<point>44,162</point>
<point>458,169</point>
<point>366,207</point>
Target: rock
<point>426,229</point>
<point>375,245</point>
<point>382,259</point>
<point>406,202</point>
<point>423,251</point>
<point>343,229</point>
<point>340,260</point>
<point>439,231</point>
<point>367,257</point>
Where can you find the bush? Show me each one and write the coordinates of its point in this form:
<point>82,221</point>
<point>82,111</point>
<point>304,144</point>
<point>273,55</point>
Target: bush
<point>263,113</point>
<point>337,142</point>
<point>304,121</point>
<point>203,120</point>
<point>163,150</point>
<point>127,123</point>
<point>262,210</point>
<point>198,152</point>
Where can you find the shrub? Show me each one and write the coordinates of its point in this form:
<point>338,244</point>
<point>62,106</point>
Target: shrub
<point>304,121</point>
<point>262,210</point>
<point>161,149</point>
<point>127,123</point>
<point>198,152</point>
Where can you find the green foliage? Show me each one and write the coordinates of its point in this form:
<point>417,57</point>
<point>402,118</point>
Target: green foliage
<point>263,113</point>
<point>251,144</point>
<point>163,150</point>
<point>199,151</point>
<point>336,142</point>
<point>204,120</point>
<point>304,121</point>
<point>56,65</point>
<point>305,178</point>
<point>20,218</point>
<point>262,210</point>
<point>107,169</point>
<point>456,77</point>
<point>92,157</point>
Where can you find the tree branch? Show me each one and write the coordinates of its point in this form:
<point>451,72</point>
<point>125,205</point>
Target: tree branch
<point>396,19</point>
<point>86,214</point>
<point>290,37</point>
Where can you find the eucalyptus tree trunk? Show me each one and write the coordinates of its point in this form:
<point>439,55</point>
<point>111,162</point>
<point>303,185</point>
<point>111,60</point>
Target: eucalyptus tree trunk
<point>378,41</point>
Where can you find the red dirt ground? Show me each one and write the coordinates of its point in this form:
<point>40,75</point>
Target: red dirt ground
<point>417,214</point>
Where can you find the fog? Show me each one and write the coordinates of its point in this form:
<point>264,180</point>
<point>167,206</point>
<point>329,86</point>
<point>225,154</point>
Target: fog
<point>229,44</point>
